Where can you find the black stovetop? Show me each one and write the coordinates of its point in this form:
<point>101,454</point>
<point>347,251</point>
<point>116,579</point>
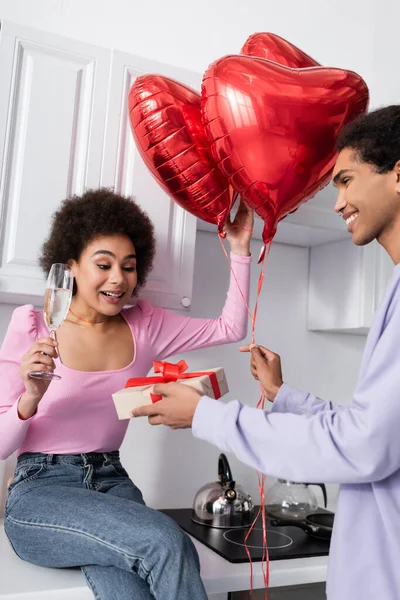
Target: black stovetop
<point>283,542</point>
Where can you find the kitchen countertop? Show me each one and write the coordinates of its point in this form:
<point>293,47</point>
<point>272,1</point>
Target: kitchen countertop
<point>22,581</point>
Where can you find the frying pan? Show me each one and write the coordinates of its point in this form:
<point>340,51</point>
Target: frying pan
<point>317,524</point>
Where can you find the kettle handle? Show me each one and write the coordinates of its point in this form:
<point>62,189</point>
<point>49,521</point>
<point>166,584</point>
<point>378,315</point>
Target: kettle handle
<point>224,470</point>
<point>323,488</point>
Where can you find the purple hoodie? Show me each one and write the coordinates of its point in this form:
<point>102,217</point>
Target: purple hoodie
<point>304,438</point>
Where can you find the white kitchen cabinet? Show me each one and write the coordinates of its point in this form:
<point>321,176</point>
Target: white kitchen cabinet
<point>346,285</point>
<point>170,283</point>
<point>64,129</point>
<point>52,111</point>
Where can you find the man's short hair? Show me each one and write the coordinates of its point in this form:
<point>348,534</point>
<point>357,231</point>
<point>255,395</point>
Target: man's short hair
<point>375,137</point>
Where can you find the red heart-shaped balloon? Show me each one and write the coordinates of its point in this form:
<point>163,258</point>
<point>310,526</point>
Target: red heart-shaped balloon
<point>273,47</point>
<point>273,129</point>
<point>165,118</point>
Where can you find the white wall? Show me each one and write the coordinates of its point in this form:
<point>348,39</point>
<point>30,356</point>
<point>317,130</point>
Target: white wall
<point>357,34</point>
<point>193,34</point>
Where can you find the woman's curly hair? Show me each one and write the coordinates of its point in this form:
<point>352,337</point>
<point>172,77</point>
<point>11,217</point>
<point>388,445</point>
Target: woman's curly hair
<point>97,213</point>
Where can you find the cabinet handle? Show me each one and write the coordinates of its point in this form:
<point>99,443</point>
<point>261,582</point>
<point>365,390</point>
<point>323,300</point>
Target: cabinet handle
<point>186,302</point>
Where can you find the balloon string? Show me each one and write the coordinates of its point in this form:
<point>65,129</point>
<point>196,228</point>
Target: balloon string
<point>261,485</point>
<point>259,288</point>
<point>252,315</point>
<point>248,551</point>
<point>261,477</point>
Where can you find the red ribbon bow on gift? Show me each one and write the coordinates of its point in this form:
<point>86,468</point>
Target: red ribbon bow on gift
<point>172,372</point>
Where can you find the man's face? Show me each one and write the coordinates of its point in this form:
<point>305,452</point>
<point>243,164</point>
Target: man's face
<point>369,201</point>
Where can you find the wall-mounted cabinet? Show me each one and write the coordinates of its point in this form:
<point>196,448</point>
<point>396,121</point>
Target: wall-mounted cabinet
<point>346,285</point>
<point>63,129</point>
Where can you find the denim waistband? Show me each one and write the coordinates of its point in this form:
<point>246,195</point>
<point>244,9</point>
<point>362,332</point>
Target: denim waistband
<point>74,459</point>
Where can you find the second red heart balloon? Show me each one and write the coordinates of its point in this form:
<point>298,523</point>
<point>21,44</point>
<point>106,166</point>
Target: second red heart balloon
<point>273,129</point>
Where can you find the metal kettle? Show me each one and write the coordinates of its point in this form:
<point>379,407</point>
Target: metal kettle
<point>222,503</point>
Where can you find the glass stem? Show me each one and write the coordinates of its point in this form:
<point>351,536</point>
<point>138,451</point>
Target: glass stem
<point>53,337</point>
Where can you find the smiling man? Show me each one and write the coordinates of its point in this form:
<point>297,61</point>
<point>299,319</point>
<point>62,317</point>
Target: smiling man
<point>304,438</point>
<point>367,177</point>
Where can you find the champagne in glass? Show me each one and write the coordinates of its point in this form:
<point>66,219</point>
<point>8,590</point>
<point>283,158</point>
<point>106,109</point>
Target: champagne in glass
<point>57,299</point>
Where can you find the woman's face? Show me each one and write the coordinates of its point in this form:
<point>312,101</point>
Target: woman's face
<point>106,274</point>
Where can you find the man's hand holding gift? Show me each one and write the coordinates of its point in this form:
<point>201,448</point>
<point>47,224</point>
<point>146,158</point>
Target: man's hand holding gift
<point>173,406</point>
<point>176,409</point>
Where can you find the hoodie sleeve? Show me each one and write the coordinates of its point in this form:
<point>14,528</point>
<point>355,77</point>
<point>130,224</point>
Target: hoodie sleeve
<point>290,400</point>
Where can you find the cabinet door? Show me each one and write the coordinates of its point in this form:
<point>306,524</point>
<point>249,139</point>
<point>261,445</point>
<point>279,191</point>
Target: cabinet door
<point>170,283</point>
<point>52,113</point>
<point>346,286</point>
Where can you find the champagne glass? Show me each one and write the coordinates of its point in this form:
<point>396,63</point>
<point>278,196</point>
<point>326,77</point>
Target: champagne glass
<point>57,298</point>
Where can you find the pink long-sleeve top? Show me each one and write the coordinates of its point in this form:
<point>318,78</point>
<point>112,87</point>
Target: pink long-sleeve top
<point>77,414</point>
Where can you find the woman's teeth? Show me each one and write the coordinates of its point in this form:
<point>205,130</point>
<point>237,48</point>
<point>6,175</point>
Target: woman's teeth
<point>111,295</point>
<point>351,218</point>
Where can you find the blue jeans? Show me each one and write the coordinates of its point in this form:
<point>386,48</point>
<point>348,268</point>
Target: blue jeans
<point>84,511</point>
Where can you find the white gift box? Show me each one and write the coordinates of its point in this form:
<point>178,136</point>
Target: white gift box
<point>131,397</point>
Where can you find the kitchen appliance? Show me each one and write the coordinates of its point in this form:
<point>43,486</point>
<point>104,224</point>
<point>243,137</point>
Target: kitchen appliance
<point>293,501</point>
<point>318,524</point>
<point>223,504</point>
<point>283,541</point>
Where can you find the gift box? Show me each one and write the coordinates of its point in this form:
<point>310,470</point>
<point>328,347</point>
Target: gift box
<point>139,391</point>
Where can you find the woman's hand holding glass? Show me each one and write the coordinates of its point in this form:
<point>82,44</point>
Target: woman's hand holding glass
<point>39,358</point>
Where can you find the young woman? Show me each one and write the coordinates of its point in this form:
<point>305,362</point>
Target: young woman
<point>71,503</point>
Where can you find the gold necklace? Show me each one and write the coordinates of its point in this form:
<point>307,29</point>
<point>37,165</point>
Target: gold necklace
<point>87,320</point>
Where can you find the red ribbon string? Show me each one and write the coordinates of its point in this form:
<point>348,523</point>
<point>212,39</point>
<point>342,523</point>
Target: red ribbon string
<point>171,372</point>
<point>260,404</point>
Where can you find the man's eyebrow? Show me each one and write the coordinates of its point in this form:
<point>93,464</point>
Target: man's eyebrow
<point>340,175</point>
